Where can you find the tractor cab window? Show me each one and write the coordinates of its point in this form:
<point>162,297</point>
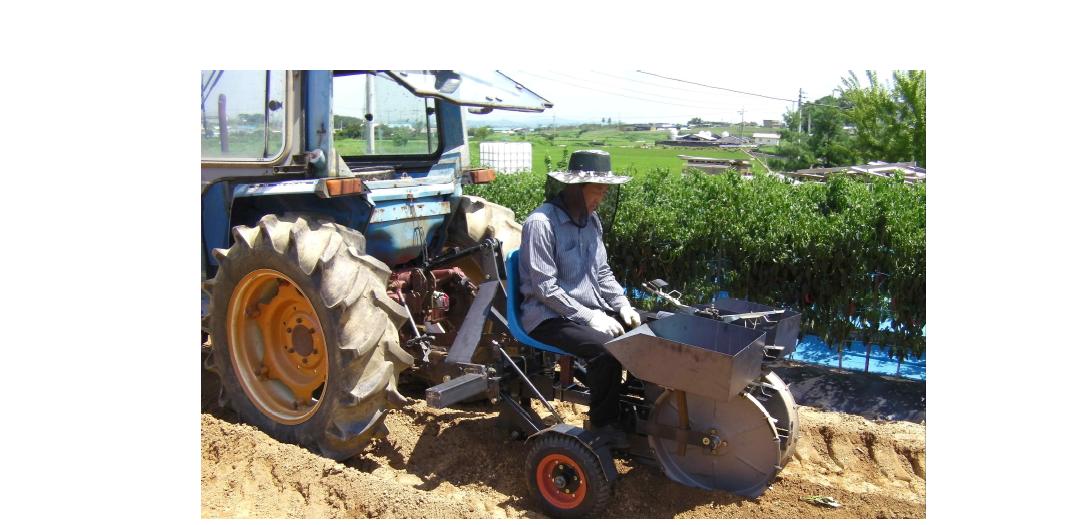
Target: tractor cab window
<point>373,115</point>
<point>241,114</point>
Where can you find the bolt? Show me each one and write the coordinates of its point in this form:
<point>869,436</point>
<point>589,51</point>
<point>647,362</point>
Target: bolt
<point>315,351</point>
<point>305,360</point>
<point>706,441</point>
<point>299,320</point>
<point>312,330</point>
<point>291,350</point>
<point>289,330</point>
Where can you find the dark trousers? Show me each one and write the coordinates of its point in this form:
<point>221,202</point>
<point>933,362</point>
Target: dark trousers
<point>603,373</point>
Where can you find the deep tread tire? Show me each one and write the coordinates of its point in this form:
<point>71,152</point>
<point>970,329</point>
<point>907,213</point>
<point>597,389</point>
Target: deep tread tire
<point>346,289</point>
<point>597,488</point>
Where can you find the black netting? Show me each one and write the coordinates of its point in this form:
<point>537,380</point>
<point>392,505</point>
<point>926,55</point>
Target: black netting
<point>607,207</point>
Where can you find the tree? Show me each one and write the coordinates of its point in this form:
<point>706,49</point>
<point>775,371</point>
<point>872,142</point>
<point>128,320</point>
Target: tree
<point>351,127</point>
<point>890,120</point>
<point>822,143</point>
<point>482,133</point>
<point>890,124</point>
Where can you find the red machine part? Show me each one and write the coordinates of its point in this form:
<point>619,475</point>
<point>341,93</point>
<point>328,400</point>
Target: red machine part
<point>427,293</point>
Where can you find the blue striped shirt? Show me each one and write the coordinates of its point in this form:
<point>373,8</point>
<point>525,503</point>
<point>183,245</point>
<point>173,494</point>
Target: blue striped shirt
<point>563,269</point>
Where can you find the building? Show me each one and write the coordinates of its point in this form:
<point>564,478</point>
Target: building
<point>911,170</point>
<point>772,123</point>
<point>716,166</point>
<point>733,141</point>
<point>765,139</point>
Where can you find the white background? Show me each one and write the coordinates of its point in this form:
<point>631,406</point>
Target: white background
<point>102,208</point>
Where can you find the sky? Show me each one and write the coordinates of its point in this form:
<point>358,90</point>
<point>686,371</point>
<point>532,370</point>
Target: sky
<point>664,94</point>
<point>642,94</point>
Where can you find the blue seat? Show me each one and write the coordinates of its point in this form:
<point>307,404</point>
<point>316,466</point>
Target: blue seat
<point>515,301</point>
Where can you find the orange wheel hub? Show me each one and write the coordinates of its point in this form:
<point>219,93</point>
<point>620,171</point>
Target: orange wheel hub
<point>561,481</point>
<point>277,347</point>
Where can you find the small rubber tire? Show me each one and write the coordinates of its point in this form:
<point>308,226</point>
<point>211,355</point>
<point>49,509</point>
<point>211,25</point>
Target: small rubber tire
<point>585,489</point>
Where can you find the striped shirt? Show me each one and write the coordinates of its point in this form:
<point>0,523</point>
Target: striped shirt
<point>563,269</point>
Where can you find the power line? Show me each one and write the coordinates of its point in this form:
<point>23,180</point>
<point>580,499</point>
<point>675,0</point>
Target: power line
<point>622,95</point>
<point>742,92</point>
<point>715,87</point>
<point>586,80</point>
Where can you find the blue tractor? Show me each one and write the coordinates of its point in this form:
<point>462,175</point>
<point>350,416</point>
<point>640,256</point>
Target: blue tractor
<point>339,251</point>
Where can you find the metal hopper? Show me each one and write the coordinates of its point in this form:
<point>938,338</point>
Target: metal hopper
<point>782,326</point>
<point>694,354</point>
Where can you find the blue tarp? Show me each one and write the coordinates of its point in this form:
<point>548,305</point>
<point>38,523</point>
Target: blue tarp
<point>813,350</point>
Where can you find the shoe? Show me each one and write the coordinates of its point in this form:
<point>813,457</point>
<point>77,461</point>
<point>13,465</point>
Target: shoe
<point>610,436</point>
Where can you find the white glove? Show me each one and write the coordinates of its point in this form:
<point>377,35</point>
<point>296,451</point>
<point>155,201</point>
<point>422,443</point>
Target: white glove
<point>602,322</point>
<point>630,316</point>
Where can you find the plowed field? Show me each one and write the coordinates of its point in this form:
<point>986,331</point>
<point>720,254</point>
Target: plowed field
<point>458,464</point>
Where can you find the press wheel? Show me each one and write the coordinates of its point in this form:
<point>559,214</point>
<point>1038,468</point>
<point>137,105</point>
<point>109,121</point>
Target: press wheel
<point>779,402</point>
<point>746,458</point>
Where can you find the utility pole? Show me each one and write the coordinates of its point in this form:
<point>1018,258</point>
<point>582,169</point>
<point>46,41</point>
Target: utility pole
<point>370,124</point>
<point>742,112</point>
<point>799,111</point>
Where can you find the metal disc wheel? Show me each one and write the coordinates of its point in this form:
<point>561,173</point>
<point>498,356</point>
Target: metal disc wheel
<point>565,477</point>
<point>744,453</point>
<point>781,406</point>
<point>304,338</point>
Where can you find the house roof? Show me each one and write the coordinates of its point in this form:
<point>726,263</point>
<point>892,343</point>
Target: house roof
<point>911,170</point>
<point>766,136</point>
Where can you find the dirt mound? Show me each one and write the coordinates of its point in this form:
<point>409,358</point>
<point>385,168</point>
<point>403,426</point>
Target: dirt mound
<point>459,464</point>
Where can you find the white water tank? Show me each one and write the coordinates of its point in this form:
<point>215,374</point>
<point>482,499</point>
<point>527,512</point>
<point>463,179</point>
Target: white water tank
<point>506,157</point>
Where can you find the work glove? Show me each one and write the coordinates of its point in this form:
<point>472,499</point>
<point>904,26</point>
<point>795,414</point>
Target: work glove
<point>602,322</point>
<point>630,316</point>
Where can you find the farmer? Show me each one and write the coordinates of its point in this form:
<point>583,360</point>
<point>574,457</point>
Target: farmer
<point>571,299</point>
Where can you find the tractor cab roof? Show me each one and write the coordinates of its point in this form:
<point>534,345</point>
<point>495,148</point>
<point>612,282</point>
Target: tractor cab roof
<point>477,89</point>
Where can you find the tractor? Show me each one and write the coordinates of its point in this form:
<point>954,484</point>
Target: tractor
<point>339,252</point>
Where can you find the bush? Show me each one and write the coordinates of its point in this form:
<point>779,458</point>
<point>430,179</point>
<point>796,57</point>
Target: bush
<point>846,254</point>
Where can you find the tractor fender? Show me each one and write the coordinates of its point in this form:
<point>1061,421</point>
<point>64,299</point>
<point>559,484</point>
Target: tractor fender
<point>586,438</point>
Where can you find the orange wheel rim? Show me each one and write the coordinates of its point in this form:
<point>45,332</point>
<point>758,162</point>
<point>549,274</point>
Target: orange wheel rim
<point>561,481</point>
<point>277,347</point>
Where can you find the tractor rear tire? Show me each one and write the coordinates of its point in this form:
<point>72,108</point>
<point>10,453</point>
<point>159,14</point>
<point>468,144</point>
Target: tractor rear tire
<point>304,337</point>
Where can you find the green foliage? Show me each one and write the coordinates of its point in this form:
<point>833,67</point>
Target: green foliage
<point>822,143</point>
<point>846,254</point>
<point>482,133</point>
<point>890,120</point>
<point>402,136</point>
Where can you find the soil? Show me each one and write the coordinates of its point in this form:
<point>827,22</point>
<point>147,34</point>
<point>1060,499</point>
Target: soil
<point>446,463</point>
